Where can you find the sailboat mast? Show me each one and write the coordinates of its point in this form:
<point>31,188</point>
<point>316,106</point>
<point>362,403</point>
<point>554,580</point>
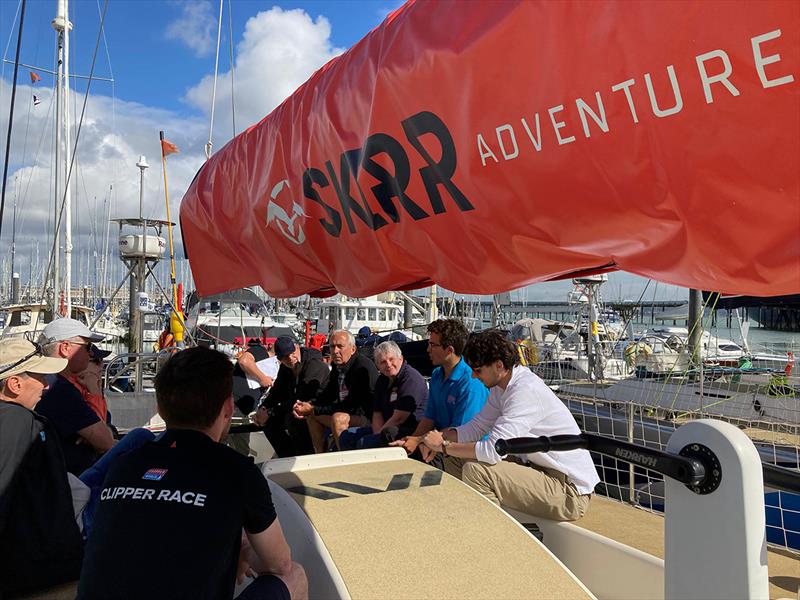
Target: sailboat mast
<point>63,14</point>
<point>59,26</point>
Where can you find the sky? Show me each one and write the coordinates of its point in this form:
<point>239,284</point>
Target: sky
<point>161,56</point>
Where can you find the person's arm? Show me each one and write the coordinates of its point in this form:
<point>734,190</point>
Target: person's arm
<point>398,418</point>
<point>377,421</point>
<point>98,436</point>
<point>268,551</point>
<point>433,441</point>
<point>248,364</point>
<point>410,442</point>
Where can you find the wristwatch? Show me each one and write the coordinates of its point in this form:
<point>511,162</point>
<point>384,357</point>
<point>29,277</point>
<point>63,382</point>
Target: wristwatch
<point>445,444</point>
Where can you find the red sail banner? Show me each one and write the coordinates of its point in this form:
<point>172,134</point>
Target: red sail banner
<point>489,145</point>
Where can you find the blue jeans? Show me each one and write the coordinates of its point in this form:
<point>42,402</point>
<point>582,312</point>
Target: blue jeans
<point>94,476</point>
<point>357,438</point>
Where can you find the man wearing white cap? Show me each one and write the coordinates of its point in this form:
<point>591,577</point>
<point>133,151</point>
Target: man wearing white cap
<point>84,435</point>
<point>40,542</point>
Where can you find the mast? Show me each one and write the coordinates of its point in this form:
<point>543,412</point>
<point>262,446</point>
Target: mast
<point>62,25</point>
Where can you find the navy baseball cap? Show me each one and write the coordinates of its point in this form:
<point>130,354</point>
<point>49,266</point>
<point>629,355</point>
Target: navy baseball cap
<point>284,346</point>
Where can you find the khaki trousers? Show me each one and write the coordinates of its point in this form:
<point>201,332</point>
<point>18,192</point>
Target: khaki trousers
<point>528,489</point>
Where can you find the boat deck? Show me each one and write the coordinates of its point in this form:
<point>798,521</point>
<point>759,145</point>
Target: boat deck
<point>644,531</point>
<point>401,529</point>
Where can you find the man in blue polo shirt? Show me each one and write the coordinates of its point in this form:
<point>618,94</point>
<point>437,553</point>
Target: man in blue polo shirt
<point>454,397</point>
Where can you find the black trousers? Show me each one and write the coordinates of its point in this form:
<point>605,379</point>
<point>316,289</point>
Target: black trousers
<point>288,436</point>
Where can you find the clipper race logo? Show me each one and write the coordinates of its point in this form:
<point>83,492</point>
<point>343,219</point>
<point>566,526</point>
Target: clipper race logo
<point>288,223</point>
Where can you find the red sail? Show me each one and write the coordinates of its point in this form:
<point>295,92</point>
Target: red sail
<point>489,145</point>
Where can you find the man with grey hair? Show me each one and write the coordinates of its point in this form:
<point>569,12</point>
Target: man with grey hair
<point>348,397</point>
<point>84,435</point>
<point>400,395</point>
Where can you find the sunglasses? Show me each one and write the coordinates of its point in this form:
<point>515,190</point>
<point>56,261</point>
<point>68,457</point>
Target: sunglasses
<point>37,350</point>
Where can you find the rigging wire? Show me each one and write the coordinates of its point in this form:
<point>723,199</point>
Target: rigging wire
<point>233,67</point>
<point>77,139</point>
<point>214,88</point>
<point>11,116</point>
<point>8,43</point>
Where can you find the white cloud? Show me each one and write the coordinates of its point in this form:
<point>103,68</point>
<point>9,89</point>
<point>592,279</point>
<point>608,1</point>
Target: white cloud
<point>196,27</point>
<point>113,136</point>
<point>280,49</point>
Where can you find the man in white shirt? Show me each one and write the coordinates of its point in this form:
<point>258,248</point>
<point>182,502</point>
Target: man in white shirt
<point>555,485</point>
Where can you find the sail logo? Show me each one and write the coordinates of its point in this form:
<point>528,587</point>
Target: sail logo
<point>287,222</point>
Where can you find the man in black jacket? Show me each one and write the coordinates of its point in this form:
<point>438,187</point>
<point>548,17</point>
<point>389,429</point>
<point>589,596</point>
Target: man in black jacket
<point>301,378</point>
<point>349,396</point>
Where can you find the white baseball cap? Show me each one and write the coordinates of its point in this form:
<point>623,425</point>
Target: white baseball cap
<point>65,329</point>
<point>21,356</point>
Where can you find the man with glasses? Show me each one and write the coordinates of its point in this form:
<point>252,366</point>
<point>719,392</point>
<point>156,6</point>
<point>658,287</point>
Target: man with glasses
<point>555,485</point>
<point>84,435</point>
<point>453,396</point>
<point>40,542</point>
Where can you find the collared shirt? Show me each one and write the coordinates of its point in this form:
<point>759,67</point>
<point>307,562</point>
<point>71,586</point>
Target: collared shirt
<point>528,408</point>
<point>456,399</point>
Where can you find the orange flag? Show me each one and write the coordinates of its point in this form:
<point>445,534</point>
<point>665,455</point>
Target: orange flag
<point>168,148</point>
<point>34,76</point>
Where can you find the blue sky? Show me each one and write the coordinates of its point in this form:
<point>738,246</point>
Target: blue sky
<point>161,54</point>
<point>158,49</point>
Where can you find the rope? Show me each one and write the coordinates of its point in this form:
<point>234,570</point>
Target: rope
<point>11,116</point>
<point>214,89</point>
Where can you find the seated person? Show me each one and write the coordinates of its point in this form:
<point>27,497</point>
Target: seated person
<point>400,393</point>
<point>454,397</point>
<point>84,435</point>
<point>90,384</point>
<point>348,398</point>
<point>40,541</point>
<point>555,485</point>
<point>301,378</point>
<point>198,495</point>
<point>255,371</point>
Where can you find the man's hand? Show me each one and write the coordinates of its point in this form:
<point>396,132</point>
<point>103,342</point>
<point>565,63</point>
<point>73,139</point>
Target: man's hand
<point>244,568</point>
<point>433,440</point>
<point>261,416</point>
<point>427,454</point>
<point>266,381</point>
<point>301,410</point>
<point>409,442</point>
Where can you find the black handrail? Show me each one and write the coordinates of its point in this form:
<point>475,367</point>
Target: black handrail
<point>781,478</point>
<point>689,471</point>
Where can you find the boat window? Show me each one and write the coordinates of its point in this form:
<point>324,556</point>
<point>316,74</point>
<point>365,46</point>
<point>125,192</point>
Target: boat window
<point>350,313</point>
<point>20,317</point>
<point>373,313</point>
<point>381,314</point>
<point>362,314</point>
